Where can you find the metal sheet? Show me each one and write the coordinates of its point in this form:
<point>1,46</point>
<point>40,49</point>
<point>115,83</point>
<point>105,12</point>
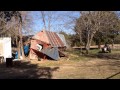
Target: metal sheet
<point>52,53</point>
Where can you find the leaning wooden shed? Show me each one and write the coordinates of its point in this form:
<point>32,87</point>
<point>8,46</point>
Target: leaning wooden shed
<point>46,39</point>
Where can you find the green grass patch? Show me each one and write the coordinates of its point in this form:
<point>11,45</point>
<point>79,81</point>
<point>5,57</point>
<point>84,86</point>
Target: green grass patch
<point>75,55</point>
<point>94,51</point>
<point>115,51</point>
<point>73,51</point>
<point>115,77</point>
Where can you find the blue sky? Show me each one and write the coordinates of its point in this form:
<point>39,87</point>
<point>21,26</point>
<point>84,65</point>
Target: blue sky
<point>63,19</point>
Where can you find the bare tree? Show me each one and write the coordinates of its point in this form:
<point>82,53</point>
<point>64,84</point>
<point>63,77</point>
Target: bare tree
<point>43,18</point>
<point>49,19</point>
<point>13,22</point>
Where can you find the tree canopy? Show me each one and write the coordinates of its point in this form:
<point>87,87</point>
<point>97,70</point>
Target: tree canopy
<point>97,24</point>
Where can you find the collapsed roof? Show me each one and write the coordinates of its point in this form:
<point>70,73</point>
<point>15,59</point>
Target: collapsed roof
<point>56,40</point>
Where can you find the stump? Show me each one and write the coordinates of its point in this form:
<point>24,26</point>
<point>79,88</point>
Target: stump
<point>9,62</point>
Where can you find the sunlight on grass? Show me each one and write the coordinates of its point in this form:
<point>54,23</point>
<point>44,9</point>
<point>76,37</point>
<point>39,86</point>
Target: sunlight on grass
<point>116,51</point>
<point>77,66</point>
<point>116,77</point>
<point>73,57</point>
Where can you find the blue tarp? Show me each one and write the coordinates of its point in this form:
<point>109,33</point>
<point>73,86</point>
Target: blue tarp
<point>16,55</point>
<point>26,51</point>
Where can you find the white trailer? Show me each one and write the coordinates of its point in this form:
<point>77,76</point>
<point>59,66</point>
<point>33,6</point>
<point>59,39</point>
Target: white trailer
<point>5,48</point>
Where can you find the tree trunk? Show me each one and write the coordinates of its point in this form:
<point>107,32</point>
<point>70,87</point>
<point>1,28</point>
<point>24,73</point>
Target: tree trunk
<point>81,50</point>
<point>89,40</point>
<point>22,49</point>
<point>43,18</point>
<point>19,51</point>
<point>99,45</point>
<point>87,48</point>
<point>21,43</point>
<point>18,46</point>
<point>49,22</point>
<point>16,42</point>
<point>80,44</point>
<point>113,44</point>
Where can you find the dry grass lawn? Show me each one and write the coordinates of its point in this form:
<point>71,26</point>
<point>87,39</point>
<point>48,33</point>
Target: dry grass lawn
<point>73,67</point>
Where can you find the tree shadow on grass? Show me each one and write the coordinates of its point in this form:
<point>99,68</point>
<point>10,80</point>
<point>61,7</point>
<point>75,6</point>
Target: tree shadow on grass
<point>118,73</point>
<point>112,60</point>
<point>26,70</point>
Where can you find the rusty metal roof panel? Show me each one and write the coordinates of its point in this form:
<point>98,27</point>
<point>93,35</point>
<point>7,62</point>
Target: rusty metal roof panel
<point>54,39</point>
<point>61,36</point>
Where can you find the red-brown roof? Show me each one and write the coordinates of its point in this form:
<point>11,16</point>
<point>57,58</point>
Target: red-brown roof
<point>39,41</point>
<point>54,39</point>
<point>48,37</point>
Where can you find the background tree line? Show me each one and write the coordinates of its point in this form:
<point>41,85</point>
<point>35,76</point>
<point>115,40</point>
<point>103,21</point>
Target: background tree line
<point>96,27</point>
<point>13,24</point>
<point>91,28</point>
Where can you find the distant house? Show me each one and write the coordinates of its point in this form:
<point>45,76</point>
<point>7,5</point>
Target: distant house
<point>46,39</point>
